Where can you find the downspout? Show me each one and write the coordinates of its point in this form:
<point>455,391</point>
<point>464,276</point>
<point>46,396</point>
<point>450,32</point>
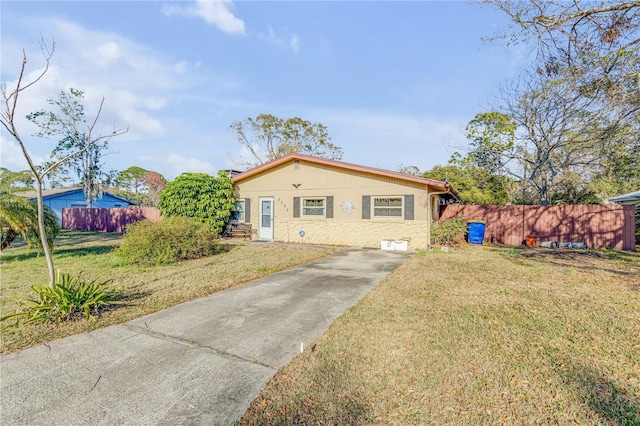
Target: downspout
<point>431,209</point>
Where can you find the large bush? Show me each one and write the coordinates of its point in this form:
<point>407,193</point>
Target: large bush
<point>199,196</point>
<point>168,241</point>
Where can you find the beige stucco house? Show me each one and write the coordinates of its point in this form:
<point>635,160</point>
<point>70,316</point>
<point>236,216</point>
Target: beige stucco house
<point>300,198</point>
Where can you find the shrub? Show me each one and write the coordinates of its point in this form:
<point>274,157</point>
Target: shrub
<point>448,232</point>
<point>69,298</point>
<point>199,196</point>
<point>168,241</point>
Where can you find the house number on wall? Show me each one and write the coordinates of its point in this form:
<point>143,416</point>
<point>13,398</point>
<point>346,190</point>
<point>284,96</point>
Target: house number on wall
<point>347,206</point>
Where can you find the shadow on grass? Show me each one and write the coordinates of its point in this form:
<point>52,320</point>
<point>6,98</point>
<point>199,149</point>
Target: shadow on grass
<point>614,403</point>
<point>84,251</point>
<point>584,260</point>
<point>16,257</point>
<point>67,237</point>
<point>57,254</point>
<point>126,299</point>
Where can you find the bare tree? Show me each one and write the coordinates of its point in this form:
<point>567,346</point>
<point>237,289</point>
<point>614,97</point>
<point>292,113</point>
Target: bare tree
<point>67,119</point>
<point>578,106</point>
<point>571,28</point>
<point>8,118</point>
<point>268,137</point>
<point>563,135</point>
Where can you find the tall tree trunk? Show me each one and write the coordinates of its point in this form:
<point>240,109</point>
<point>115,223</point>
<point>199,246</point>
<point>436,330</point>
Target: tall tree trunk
<point>43,233</point>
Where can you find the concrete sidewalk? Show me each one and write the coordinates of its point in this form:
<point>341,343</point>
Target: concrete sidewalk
<point>200,362</point>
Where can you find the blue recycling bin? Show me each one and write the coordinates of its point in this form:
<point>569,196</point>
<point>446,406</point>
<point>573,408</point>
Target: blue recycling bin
<point>476,231</point>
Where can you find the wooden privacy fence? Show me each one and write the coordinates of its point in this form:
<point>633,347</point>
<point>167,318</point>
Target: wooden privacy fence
<point>606,226</point>
<point>106,220</point>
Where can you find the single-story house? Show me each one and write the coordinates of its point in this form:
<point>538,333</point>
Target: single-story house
<point>61,198</point>
<point>630,198</point>
<point>300,198</point>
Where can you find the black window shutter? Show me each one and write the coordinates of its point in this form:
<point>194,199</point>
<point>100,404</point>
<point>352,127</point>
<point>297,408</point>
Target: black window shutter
<point>408,207</point>
<point>247,210</point>
<point>366,206</point>
<point>296,206</point>
<point>329,208</point>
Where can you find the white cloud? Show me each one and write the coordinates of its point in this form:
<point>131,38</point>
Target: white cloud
<point>12,157</point>
<point>139,85</point>
<point>270,37</point>
<point>294,42</point>
<point>214,12</point>
<point>183,66</point>
<point>106,53</point>
<point>180,164</point>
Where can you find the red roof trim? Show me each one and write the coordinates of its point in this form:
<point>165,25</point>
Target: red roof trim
<point>342,165</point>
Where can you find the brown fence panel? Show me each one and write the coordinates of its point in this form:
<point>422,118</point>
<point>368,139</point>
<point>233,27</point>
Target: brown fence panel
<point>608,226</point>
<point>106,220</point>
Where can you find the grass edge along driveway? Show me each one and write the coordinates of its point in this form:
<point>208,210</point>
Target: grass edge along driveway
<point>146,289</point>
<point>478,336</point>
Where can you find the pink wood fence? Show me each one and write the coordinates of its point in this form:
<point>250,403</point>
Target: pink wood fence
<point>106,220</point>
<point>607,226</point>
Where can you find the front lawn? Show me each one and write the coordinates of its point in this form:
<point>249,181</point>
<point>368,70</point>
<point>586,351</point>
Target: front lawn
<point>482,335</point>
<point>146,289</point>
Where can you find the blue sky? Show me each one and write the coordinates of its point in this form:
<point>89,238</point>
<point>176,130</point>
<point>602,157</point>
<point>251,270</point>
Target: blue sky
<point>394,82</point>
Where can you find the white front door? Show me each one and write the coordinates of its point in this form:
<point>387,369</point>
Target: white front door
<point>265,230</point>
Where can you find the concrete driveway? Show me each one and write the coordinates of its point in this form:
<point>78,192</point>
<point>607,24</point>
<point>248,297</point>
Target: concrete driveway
<point>200,362</point>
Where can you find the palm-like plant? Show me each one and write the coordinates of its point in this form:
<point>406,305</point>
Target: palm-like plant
<point>19,216</point>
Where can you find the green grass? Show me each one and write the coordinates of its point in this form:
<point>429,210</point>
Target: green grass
<point>476,336</point>
<point>145,289</point>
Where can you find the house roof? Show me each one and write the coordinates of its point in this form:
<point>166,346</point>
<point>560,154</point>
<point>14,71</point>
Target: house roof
<point>438,184</point>
<point>49,192</point>
<point>630,198</point>
<point>59,191</point>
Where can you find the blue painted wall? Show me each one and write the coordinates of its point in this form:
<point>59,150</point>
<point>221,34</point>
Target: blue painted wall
<point>76,198</point>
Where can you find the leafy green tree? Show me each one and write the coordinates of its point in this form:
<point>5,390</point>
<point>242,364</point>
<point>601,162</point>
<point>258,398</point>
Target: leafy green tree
<point>131,180</point>
<point>139,185</point>
<point>68,120</point>
<point>18,181</point>
<point>199,196</point>
<point>475,185</point>
<point>267,137</point>
<point>491,135</point>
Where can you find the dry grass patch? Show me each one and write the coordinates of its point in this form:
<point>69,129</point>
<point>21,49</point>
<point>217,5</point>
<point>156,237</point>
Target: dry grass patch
<point>476,336</point>
<point>146,289</point>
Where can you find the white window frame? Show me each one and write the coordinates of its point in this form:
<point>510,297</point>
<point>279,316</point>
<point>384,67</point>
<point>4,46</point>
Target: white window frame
<point>313,216</point>
<point>400,208</point>
<point>239,207</point>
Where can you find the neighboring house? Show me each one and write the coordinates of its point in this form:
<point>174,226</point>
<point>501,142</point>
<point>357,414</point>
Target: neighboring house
<point>300,198</point>
<point>630,198</point>
<point>61,198</point>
